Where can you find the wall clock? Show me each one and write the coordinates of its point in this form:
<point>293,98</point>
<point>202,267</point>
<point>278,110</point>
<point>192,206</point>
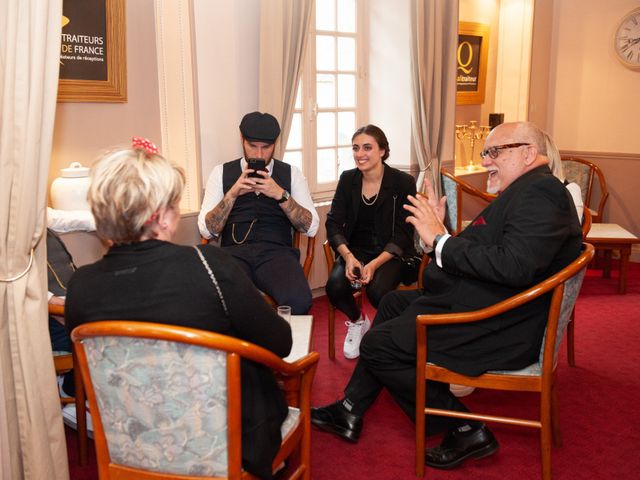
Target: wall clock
<point>627,40</point>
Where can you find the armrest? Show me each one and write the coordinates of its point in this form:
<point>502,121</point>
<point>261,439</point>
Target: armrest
<point>57,310</point>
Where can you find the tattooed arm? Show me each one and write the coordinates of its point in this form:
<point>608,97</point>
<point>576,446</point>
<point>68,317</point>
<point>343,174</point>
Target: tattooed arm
<point>216,218</point>
<point>216,207</point>
<point>299,207</point>
<point>299,216</point>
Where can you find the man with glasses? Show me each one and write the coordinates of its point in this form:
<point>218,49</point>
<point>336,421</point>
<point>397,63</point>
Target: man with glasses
<point>529,232</point>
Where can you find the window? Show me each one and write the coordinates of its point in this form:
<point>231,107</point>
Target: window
<point>331,98</point>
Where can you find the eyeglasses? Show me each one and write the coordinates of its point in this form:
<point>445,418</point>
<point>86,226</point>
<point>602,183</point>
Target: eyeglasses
<point>493,152</point>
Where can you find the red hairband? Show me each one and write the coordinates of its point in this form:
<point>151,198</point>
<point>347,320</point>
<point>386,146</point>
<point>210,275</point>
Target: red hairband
<point>152,219</point>
<point>143,144</point>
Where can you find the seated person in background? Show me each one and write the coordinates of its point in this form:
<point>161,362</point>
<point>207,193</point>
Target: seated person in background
<point>134,196</point>
<point>529,232</point>
<point>555,164</point>
<point>60,267</point>
<point>254,210</point>
<point>366,227</point>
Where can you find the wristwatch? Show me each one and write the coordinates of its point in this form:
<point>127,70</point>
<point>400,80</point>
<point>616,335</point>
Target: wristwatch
<point>285,196</point>
<point>436,239</point>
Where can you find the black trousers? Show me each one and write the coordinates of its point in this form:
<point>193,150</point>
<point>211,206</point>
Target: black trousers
<point>340,293</point>
<point>275,270</point>
<point>382,364</point>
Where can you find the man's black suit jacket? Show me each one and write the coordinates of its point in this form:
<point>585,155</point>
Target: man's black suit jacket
<point>528,233</point>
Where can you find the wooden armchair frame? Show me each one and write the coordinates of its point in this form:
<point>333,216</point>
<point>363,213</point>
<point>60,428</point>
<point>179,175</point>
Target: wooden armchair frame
<point>297,376</point>
<point>594,171</point>
<point>543,384</point>
<point>571,352</point>
<point>463,187</point>
<point>63,363</point>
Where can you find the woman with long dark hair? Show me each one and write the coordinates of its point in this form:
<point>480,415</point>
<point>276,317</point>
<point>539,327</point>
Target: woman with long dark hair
<point>367,229</point>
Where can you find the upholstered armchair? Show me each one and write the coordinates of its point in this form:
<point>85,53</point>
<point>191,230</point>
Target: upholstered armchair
<point>538,378</point>
<point>166,401</point>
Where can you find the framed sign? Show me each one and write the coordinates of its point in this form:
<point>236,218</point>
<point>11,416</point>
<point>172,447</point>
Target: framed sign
<point>471,69</point>
<point>93,62</point>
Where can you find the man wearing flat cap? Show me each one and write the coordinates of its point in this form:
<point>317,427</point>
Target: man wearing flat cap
<point>253,204</point>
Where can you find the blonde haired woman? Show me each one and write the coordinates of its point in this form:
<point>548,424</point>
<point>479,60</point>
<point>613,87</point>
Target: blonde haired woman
<point>134,196</point>
<point>555,165</point>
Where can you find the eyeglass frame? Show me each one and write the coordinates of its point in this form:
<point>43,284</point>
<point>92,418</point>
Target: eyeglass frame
<point>498,148</point>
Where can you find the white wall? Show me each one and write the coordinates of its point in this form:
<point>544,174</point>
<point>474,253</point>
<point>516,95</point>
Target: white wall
<point>594,99</point>
<point>227,38</point>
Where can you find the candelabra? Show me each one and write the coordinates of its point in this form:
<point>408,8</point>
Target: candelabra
<point>474,133</point>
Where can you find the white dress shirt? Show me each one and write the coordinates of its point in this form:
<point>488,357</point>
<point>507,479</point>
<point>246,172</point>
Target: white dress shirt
<point>439,247</point>
<point>213,194</point>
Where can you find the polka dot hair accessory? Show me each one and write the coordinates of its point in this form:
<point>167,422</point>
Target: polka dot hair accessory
<point>140,143</point>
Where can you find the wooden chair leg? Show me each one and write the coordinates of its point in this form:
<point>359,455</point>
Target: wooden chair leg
<point>555,418</point>
<point>545,440</point>
<point>81,413</point>
<point>570,340</point>
<point>420,429</point>
<point>606,267</point>
<point>332,332</point>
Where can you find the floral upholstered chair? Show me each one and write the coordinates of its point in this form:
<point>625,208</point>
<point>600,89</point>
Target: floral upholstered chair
<point>166,400</point>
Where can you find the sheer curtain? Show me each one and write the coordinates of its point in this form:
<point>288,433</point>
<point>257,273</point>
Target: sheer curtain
<point>434,34</point>
<point>284,28</point>
<point>32,442</point>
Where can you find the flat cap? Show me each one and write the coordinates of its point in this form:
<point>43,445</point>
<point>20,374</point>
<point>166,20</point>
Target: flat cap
<point>260,127</point>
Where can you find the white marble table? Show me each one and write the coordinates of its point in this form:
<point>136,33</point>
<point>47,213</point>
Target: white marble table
<point>609,237</point>
<point>301,329</point>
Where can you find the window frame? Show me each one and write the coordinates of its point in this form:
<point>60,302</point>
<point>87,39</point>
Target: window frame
<point>309,109</point>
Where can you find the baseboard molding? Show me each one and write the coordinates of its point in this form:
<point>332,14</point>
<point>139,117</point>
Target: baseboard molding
<point>600,155</point>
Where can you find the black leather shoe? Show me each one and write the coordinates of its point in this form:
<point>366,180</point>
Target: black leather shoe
<point>338,420</point>
<point>458,446</point>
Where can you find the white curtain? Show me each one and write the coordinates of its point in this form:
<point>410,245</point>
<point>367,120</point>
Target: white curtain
<point>32,442</point>
<point>284,28</point>
<point>434,39</point>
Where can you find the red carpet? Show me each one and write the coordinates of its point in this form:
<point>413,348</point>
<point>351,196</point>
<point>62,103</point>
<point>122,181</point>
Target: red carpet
<point>597,399</point>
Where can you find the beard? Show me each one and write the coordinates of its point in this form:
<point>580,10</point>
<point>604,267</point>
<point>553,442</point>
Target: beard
<point>493,184</point>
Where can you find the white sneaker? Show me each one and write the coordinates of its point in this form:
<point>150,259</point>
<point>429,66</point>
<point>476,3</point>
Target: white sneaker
<point>62,393</point>
<point>461,390</point>
<point>354,336</point>
<point>70,418</point>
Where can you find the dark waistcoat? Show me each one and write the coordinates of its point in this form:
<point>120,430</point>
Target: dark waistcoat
<point>60,265</point>
<point>256,218</point>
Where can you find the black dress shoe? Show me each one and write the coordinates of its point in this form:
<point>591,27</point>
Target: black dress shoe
<point>457,446</point>
<point>335,418</point>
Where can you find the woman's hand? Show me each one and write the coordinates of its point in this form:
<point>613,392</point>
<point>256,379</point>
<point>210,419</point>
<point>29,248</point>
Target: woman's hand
<point>353,268</point>
<point>368,271</point>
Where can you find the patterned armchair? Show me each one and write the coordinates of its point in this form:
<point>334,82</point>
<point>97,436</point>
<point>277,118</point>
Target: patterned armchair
<point>537,378</point>
<point>165,400</point>
<point>453,187</point>
<point>583,173</point>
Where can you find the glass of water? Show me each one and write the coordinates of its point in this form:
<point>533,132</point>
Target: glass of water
<point>285,312</point>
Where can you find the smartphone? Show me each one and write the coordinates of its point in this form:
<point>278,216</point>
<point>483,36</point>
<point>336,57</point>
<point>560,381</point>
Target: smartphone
<point>256,164</point>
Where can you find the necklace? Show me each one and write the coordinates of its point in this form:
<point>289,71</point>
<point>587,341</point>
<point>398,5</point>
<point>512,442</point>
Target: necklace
<point>371,202</point>
<point>233,233</point>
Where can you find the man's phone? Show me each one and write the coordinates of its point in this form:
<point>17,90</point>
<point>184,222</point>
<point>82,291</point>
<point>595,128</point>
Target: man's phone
<point>256,164</point>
